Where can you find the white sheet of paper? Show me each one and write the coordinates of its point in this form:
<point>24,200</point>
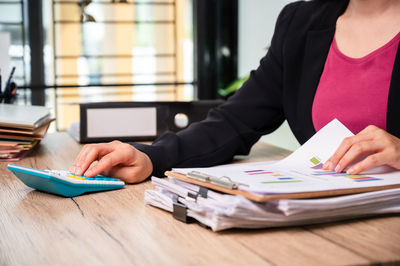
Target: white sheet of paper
<point>301,171</point>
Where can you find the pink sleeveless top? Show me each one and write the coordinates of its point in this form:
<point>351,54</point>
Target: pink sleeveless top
<point>355,90</point>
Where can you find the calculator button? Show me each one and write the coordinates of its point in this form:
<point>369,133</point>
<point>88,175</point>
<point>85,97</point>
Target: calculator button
<point>76,177</point>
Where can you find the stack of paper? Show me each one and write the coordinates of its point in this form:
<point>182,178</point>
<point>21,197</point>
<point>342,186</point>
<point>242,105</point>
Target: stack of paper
<point>21,129</point>
<point>222,211</point>
<point>286,186</point>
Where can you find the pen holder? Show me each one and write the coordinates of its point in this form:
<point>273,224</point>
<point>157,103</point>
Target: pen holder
<point>10,94</point>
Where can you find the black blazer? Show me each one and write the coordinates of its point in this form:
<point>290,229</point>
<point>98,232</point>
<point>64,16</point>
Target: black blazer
<point>283,87</point>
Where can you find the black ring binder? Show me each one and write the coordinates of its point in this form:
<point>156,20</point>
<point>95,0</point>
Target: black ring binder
<point>165,118</point>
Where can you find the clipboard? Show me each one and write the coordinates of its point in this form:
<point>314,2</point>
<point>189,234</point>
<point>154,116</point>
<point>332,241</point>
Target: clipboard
<point>225,186</point>
<point>305,163</point>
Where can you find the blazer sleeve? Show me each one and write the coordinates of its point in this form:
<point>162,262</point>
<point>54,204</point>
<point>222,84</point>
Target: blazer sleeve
<point>233,127</point>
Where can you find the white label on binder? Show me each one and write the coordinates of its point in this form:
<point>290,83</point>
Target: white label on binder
<point>121,122</point>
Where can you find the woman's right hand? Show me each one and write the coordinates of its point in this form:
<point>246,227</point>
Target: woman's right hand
<point>114,159</point>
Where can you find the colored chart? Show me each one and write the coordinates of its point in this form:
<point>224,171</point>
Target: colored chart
<point>257,172</point>
<point>319,171</point>
<point>273,178</point>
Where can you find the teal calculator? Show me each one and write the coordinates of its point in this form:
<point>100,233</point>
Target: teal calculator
<point>62,182</point>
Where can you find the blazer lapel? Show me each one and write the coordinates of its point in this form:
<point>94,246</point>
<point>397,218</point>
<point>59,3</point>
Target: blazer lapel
<point>316,52</point>
<point>318,41</point>
<point>393,107</point>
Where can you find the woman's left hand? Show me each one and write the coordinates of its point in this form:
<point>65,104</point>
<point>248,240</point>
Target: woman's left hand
<point>376,144</point>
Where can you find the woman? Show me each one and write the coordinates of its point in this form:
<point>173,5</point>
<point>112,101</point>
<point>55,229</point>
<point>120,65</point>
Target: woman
<point>327,59</point>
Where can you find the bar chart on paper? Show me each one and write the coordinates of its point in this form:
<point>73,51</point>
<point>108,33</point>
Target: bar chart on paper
<point>320,171</point>
<point>271,177</point>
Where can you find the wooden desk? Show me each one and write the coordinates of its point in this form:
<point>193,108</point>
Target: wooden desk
<point>117,228</point>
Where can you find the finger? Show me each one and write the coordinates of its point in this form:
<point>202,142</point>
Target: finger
<point>81,155</point>
<point>369,129</point>
<point>368,163</point>
<point>92,154</point>
<point>106,162</point>
<point>365,134</point>
<point>356,150</point>
<point>127,174</point>
<point>88,148</point>
<point>346,144</point>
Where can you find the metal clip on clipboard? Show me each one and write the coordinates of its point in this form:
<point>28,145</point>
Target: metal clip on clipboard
<point>219,181</point>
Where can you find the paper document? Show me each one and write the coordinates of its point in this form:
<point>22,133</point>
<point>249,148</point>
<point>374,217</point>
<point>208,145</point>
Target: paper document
<point>220,211</point>
<point>302,170</point>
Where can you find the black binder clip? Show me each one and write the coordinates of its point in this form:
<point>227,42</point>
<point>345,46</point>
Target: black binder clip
<point>203,192</point>
<point>180,212</point>
<point>192,196</point>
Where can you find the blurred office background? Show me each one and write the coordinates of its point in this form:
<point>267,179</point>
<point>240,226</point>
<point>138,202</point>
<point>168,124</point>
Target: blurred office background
<point>72,51</point>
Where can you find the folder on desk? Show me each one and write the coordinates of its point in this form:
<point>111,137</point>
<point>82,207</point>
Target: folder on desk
<point>138,121</point>
<point>300,175</point>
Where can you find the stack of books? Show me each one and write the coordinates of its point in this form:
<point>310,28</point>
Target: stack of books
<point>21,129</point>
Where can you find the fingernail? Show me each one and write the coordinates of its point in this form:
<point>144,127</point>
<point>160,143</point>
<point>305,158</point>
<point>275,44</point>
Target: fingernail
<point>351,171</point>
<point>326,165</point>
<point>77,170</point>
<point>338,169</point>
<point>72,169</point>
<point>88,173</point>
